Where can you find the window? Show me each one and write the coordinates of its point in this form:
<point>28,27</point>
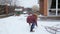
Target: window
<point>54,9</point>
<point>53,5</point>
<point>58,3</point>
<point>52,12</point>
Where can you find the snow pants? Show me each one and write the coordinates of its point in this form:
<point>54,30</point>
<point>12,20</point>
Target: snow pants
<point>32,26</point>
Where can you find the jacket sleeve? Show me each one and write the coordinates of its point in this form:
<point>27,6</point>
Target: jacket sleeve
<point>35,21</point>
<point>28,19</point>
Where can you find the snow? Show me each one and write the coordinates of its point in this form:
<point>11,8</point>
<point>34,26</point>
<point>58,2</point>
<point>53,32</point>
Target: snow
<point>18,25</point>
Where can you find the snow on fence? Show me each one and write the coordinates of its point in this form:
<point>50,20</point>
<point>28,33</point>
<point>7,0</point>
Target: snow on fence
<point>53,30</point>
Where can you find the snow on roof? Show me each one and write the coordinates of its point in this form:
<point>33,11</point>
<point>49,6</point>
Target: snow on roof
<point>19,9</point>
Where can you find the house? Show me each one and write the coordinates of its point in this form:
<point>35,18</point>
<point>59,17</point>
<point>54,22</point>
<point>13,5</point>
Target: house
<point>18,10</point>
<point>6,7</point>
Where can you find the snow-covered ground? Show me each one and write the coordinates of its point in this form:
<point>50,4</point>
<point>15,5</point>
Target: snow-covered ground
<point>18,25</point>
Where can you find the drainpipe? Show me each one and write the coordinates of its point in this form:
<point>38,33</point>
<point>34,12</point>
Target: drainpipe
<point>6,9</point>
